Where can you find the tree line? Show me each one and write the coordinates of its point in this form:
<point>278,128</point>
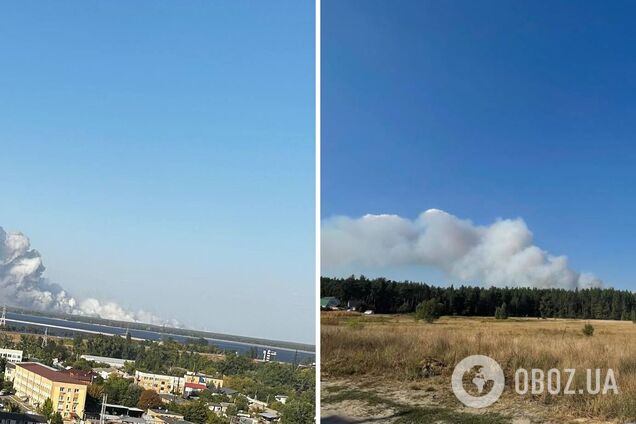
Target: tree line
<point>386,296</point>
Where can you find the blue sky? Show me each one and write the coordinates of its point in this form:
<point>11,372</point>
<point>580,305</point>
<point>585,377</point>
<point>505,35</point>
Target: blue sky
<point>161,154</point>
<point>486,109</point>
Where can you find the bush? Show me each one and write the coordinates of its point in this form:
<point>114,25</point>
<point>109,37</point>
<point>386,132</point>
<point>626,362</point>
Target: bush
<point>429,310</point>
<point>588,330</point>
<point>501,312</point>
<point>56,418</point>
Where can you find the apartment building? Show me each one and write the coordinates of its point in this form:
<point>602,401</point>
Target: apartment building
<point>37,382</point>
<point>208,380</point>
<point>160,383</point>
<point>11,355</point>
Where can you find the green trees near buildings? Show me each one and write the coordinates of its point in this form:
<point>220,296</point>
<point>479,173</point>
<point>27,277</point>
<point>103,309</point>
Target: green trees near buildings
<point>298,412</point>
<point>149,399</point>
<point>47,408</point>
<point>196,412</point>
<point>56,418</point>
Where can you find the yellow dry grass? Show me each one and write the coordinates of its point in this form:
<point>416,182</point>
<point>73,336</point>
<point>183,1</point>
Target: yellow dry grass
<point>397,347</point>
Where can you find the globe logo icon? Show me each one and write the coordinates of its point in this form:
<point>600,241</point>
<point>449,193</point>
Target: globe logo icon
<point>486,373</point>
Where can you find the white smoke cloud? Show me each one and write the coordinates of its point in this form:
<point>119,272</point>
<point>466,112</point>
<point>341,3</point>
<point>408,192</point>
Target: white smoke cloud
<point>500,254</point>
<point>22,285</point>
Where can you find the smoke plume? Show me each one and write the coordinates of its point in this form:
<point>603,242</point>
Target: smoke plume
<point>500,254</point>
<point>22,285</point>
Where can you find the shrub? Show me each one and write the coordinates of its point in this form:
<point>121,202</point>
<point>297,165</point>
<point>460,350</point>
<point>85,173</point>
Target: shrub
<point>588,330</point>
<point>501,312</point>
<point>429,310</point>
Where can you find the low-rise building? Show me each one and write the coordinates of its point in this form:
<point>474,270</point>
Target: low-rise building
<point>192,389</point>
<point>112,362</point>
<point>160,383</point>
<point>158,413</point>
<point>329,303</point>
<point>37,382</point>
<point>217,408</point>
<point>107,372</point>
<point>228,391</point>
<point>159,416</point>
<point>11,355</point>
<point>19,418</point>
<point>86,376</point>
<point>269,416</point>
<point>9,371</point>
<point>167,398</point>
<point>281,398</point>
<point>215,381</point>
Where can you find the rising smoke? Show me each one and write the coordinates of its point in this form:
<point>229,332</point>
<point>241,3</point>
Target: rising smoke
<point>22,285</point>
<point>500,254</point>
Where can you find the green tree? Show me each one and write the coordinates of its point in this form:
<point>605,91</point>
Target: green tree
<point>115,387</point>
<point>634,316</point>
<point>56,418</point>
<point>196,412</point>
<point>215,419</point>
<point>234,364</point>
<point>429,310</point>
<point>47,408</point>
<point>501,312</point>
<point>241,403</point>
<point>298,412</point>
<point>231,410</point>
<point>149,399</point>
<point>131,395</point>
<point>11,407</point>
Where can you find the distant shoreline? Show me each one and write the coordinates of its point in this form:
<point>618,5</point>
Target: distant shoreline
<point>301,347</point>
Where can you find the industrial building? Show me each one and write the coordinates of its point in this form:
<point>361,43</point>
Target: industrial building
<point>112,362</point>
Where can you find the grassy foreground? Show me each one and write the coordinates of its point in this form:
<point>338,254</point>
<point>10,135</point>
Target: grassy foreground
<point>399,361</point>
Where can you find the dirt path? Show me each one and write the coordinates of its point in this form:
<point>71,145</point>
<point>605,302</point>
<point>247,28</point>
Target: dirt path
<point>368,401</point>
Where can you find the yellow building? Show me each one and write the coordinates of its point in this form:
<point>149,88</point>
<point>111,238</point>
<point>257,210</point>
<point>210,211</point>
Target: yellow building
<point>198,378</point>
<point>160,383</point>
<point>38,382</point>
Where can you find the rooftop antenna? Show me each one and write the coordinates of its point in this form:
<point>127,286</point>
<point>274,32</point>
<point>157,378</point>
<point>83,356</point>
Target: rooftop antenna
<point>45,340</point>
<point>3,318</point>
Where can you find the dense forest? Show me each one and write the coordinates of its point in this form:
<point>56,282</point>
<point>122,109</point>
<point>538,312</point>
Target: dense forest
<point>386,296</point>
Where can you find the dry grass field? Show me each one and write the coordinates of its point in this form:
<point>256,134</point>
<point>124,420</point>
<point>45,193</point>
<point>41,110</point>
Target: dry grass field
<point>394,369</point>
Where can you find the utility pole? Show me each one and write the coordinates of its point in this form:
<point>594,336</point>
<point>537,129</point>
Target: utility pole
<point>45,340</point>
<point>103,412</point>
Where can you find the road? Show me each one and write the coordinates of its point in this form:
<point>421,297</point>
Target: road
<point>25,407</point>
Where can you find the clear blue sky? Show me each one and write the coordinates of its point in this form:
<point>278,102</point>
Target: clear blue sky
<point>161,154</point>
<point>486,109</point>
